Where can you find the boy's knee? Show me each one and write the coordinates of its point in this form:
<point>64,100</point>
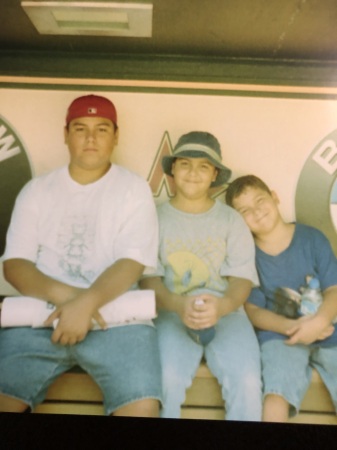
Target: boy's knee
<point>175,381</point>
<point>10,404</point>
<point>141,408</point>
<point>252,382</point>
<point>275,408</point>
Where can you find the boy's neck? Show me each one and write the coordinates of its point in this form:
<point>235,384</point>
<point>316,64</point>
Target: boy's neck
<point>276,240</point>
<point>192,206</point>
<point>87,176</point>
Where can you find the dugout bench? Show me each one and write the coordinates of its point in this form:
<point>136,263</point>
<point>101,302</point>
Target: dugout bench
<point>75,392</point>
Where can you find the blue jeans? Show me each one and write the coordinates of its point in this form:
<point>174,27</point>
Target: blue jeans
<point>233,357</point>
<point>287,370</point>
<point>124,362</point>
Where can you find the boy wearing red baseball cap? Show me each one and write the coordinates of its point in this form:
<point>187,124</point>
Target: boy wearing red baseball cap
<point>80,237</point>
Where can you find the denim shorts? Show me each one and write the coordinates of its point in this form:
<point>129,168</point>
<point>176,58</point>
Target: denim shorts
<point>287,370</point>
<point>124,361</point>
<point>233,356</point>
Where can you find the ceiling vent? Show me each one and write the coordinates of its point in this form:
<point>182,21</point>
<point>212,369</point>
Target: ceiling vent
<point>91,18</point>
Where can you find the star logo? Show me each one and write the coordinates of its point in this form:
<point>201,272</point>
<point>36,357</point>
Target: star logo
<point>162,185</point>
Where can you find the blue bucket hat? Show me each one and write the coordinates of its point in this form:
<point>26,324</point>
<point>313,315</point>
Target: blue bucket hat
<point>198,144</point>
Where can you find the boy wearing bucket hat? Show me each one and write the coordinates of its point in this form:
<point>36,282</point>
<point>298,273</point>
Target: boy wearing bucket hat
<point>205,273</point>
<point>80,237</point>
<point>291,345</point>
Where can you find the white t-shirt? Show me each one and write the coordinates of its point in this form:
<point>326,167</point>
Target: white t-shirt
<point>73,232</point>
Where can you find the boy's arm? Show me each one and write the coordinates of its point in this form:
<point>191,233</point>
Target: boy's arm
<point>165,299</point>
<point>169,301</point>
<point>315,327</point>
<point>298,329</point>
<point>326,264</point>
<point>205,315</point>
<point>236,294</point>
<point>24,276</point>
<point>264,319</point>
<point>75,316</point>
<point>215,307</point>
<point>75,306</point>
<point>328,308</point>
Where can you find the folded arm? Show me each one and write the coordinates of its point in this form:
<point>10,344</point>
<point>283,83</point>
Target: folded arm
<point>165,299</point>
<point>263,319</point>
<point>207,314</point>
<point>75,306</point>
<point>26,278</point>
<point>303,330</point>
<point>319,325</point>
<point>75,316</point>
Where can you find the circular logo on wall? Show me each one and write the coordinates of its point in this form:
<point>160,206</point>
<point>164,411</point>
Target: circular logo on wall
<point>15,171</point>
<point>316,193</point>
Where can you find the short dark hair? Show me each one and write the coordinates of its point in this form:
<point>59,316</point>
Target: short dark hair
<point>238,186</point>
<point>113,123</point>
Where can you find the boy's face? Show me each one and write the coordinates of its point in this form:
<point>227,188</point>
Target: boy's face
<point>193,176</point>
<point>259,209</point>
<point>91,141</point>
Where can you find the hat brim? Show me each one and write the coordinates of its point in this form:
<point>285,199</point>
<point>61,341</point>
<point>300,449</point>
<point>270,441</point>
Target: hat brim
<point>223,175</point>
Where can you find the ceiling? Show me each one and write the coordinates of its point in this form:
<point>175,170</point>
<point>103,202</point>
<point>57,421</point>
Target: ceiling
<point>280,42</point>
<point>258,30</point>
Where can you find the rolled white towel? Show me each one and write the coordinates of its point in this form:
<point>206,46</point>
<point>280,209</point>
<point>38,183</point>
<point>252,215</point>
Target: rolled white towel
<point>131,306</point>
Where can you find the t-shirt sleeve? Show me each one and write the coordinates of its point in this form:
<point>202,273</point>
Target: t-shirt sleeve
<point>138,236</point>
<point>257,298</point>
<point>158,271</point>
<point>240,255</point>
<point>22,234</point>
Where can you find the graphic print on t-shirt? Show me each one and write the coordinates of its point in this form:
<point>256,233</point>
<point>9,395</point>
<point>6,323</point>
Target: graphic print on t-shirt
<point>75,242</point>
<point>193,265</point>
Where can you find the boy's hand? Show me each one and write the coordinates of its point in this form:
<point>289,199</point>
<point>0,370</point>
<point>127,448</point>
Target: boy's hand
<point>185,308</point>
<point>66,294</point>
<point>308,329</point>
<point>98,318</point>
<point>74,321</point>
<point>200,316</point>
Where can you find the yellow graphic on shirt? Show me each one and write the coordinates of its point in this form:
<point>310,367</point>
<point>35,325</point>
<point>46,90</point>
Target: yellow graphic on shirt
<point>188,272</point>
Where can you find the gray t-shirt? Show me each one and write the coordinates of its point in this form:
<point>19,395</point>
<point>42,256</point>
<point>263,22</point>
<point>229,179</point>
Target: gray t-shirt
<point>198,251</point>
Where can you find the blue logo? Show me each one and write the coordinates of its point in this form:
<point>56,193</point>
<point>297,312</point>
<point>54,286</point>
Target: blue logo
<point>316,192</point>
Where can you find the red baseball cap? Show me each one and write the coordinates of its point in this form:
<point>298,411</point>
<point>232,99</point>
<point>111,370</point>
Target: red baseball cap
<point>91,106</point>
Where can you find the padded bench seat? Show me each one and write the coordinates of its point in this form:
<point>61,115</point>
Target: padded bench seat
<point>75,392</point>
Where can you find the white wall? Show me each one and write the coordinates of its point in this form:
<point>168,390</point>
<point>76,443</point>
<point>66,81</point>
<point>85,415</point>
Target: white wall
<point>270,137</point>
